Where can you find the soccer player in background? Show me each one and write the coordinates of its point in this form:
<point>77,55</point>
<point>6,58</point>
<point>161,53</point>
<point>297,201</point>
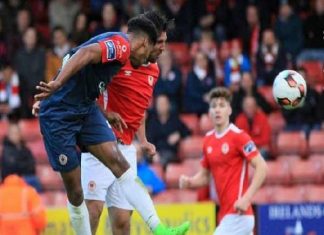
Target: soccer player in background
<point>127,97</point>
<point>69,116</point>
<point>227,151</point>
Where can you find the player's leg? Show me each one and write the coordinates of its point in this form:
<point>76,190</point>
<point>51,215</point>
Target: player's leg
<point>119,209</point>
<point>60,143</point>
<point>96,179</point>
<point>236,225</point>
<point>97,137</point>
<point>119,220</point>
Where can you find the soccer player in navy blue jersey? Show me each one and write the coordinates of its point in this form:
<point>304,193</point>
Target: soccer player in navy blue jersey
<point>69,117</point>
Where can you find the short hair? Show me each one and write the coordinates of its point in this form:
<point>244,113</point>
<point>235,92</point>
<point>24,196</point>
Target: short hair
<point>160,21</point>
<point>141,24</point>
<point>220,92</point>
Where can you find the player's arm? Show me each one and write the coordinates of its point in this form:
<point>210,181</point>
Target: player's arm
<point>200,179</point>
<point>260,173</point>
<point>146,146</point>
<point>259,176</point>
<point>84,56</point>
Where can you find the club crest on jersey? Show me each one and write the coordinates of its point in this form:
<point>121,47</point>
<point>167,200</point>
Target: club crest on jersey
<point>63,159</point>
<point>225,148</point>
<point>249,147</point>
<point>150,80</point>
<point>111,50</point>
<point>102,87</point>
<point>92,186</point>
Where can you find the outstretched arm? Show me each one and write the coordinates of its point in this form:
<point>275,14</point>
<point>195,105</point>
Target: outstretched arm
<point>84,56</point>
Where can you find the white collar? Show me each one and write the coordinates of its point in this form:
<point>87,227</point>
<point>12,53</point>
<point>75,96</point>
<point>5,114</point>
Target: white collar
<point>220,135</point>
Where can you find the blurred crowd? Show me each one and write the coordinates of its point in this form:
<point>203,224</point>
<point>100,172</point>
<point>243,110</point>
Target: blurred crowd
<point>241,44</point>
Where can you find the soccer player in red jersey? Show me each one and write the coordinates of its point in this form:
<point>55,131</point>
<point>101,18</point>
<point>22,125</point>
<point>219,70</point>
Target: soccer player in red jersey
<point>227,151</point>
<point>124,103</point>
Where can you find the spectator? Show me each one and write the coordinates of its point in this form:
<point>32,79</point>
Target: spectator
<point>313,33</point>
<point>80,32</point>
<point>16,157</point>
<point>289,31</point>
<point>182,13</point>
<point>251,33</point>
<point>170,131</point>
<point>153,183</point>
<point>169,82</point>
<point>235,65</point>
<point>254,122</point>
<point>55,55</point>
<point>3,41</point>
<point>30,64</point>
<point>199,82</point>
<point>9,91</point>
<point>206,44</point>
<point>248,88</point>
<point>271,59</point>
<point>15,38</point>
<point>304,118</point>
<point>21,208</point>
<point>109,20</point>
<point>62,12</point>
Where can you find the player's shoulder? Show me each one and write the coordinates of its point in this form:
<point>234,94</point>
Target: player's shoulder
<point>237,133</point>
<point>209,135</point>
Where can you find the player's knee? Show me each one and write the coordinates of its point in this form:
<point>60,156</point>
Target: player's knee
<point>95,209</point>
<point>75,195</point>
<point>122,224</point>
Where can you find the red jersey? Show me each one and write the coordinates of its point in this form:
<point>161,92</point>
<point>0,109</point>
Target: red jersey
<point>226,156</point>
<point>129,93</point>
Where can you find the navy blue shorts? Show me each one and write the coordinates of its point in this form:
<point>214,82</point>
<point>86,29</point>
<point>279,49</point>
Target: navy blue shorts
<point>64,128</point>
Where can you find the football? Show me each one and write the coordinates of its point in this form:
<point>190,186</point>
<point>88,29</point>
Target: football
<point>289,89</point>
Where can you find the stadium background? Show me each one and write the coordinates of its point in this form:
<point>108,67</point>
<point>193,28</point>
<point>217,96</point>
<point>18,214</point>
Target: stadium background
<point>206,30</point>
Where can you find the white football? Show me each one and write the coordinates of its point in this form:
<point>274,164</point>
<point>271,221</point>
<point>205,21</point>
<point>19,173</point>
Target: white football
<point>289,89</point>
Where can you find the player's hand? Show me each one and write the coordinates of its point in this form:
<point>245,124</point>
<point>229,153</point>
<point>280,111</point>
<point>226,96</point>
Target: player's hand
<point>116,121</point>
<point>148,148</point>
<point>35,110</point>
<point>46,89</point>
<point>241,205</point>
<point>184,182</point>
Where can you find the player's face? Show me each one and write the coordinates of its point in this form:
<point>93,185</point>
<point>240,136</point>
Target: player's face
<point>140,52</point>
<point>219,111</point>
<point>158,48</point>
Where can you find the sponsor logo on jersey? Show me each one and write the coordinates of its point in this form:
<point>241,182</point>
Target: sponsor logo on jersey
<point>225,148</point>
<point>209,149</point>
<point>63,159</point>
<point>128,72</point>
<point>111,50</point>
<point>249,147</point>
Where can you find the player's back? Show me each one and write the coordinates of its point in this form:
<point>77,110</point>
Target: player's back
<point>85,86</point>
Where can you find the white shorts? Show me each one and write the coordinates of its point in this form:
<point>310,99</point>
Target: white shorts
<point>99,183</point>
<point>236,225</point>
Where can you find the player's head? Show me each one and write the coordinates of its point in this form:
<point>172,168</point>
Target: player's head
<point>220,106</point>
<point>162,25</point>
<point>143,36</point>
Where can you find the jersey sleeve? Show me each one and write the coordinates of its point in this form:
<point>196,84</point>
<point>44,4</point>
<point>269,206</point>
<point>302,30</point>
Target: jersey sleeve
<point>204,161</point>
<point>114,48</point>
<point>246,146</point>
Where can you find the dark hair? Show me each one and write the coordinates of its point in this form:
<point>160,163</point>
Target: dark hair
<point>160,21</point>
<point>141,24</point>
<point>220,92</point>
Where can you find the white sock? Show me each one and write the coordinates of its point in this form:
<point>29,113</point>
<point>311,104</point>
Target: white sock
<point>79,217</point>
<point>138,197</point>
